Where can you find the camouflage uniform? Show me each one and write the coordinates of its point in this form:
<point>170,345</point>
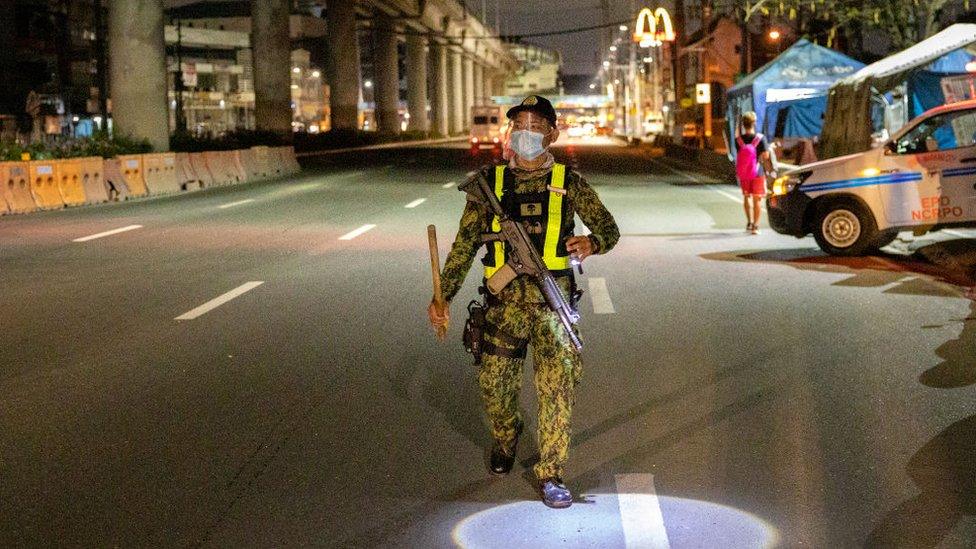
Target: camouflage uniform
<point>520,312</point>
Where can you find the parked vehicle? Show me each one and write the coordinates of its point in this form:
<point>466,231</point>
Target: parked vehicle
<point>921,180</point>
<point>487,127</point>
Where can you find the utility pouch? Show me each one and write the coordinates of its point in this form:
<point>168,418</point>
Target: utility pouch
<point>501,278</point>
<point>474,330</point>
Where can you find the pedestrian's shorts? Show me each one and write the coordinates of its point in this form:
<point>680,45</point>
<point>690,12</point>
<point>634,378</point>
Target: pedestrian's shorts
<point>755,186</point>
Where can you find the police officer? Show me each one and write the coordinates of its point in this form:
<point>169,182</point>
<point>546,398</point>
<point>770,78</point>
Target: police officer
<point>534,189</point>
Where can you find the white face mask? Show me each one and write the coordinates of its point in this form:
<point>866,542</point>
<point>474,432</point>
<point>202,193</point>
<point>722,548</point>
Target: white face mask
<point>527,144</point>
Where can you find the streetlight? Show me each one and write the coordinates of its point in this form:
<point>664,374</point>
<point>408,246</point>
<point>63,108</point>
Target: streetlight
<point>774,35</point>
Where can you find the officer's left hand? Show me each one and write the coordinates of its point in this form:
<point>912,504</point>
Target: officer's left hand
<point>582,246</point>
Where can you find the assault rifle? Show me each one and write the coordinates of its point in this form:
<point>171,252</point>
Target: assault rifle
<point>523,259</point>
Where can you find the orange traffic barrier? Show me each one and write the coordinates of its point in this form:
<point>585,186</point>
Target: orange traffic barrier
<point>93,178</point>
<point>124,177</point>
<point>286,157</point>
<point>160,172</point>
<point>234,160</point>
<point>16,190</point>
<point>249,163</point>
<point>44,175</point>
<point>199,163</point>
<point>186,176</point>
<point>221,171</point>
<point>266,161</point>
<point>80,177</point>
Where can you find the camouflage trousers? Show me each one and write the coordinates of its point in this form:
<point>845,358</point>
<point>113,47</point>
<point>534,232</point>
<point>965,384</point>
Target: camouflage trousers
<point>557,372</point>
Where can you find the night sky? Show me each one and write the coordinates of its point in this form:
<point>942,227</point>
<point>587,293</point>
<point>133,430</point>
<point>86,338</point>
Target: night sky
<point>580,51</point>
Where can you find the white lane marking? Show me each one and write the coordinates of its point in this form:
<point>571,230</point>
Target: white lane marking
<point>218,301</point>
<point>737,199</point>
<point>107,233</point>
<point>357,232</point>
<point>448,185</point>
<point>640,512</point>
<point>238,203</point>
<point>602,305</point>
<point>416,203</point>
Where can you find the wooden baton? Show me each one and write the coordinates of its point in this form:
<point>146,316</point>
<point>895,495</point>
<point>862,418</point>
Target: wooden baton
<point>435,271</point>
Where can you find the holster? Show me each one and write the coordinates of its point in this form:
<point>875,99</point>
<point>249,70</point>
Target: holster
<point>474,330</point>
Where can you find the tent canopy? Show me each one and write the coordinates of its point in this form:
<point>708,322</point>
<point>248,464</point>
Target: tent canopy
<point>803,71</point>
<point>847,127</point>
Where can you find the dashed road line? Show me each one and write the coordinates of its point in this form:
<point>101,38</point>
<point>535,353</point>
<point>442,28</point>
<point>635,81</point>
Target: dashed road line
<point>602,305</point>
<point>448,185</point>
<point>416,203</point>
<point>730,196</point>
<point>640,512</point>
<point>353,234</point>
<point>220,300</point>
<point>107,233</point>
<point>238,203</point>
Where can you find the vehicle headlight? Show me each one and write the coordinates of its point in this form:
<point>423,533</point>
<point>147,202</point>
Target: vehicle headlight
<point>785,184</point>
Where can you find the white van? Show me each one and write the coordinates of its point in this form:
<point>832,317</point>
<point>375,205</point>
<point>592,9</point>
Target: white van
<point>488,124</point>
<point>921,180</point>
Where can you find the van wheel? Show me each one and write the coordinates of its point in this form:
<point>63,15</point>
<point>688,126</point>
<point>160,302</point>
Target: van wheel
<point>845,227</point>
<point>884,238</point>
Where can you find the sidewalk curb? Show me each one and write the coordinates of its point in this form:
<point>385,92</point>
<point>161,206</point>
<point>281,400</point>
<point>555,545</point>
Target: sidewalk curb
<point>381,146</point>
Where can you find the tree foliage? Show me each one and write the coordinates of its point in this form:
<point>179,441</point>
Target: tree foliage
<point>904,22</point>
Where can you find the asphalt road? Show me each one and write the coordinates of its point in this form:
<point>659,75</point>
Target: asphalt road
<point>738,391</point>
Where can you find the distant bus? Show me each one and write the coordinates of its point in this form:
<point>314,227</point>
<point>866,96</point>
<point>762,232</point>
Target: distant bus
<point>487,127</point>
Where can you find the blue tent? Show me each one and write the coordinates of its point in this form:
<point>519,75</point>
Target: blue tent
<point>802,72</point>
<point>796,117</point>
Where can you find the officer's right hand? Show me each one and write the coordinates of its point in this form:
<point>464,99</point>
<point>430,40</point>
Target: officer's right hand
<point>439,315</point>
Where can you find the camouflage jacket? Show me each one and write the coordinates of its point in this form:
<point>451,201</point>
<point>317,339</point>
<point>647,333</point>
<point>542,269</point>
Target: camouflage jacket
<point>475,220</point>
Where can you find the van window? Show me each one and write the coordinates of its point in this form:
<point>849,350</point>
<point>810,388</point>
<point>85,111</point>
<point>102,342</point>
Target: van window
<point>951,130</point>
<point>481,120</point>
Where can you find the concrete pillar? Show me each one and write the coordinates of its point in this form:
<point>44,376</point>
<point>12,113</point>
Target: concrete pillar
<point>455,91</point>
<point>272,65</point>
<point>479,84</point>
<point>439,106</point>
<point>137,54</point>
<point>488,85</point>
<point>468,89</point>
<point>499,84</point>
<point>344,59</point>
<point>386,85</point>
<point>417,83</point>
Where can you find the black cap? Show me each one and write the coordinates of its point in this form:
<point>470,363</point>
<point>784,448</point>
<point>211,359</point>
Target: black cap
<point>537,104</point>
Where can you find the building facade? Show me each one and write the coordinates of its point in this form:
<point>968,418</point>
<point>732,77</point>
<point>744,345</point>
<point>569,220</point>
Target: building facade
<point>539,74</point>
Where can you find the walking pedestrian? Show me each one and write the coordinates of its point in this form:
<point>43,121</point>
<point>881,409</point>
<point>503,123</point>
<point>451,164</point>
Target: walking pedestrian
<point>752,156</point>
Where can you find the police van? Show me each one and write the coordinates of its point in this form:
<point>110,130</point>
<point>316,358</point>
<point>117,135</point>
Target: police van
<point>921,180</point>
<point>488,124</point>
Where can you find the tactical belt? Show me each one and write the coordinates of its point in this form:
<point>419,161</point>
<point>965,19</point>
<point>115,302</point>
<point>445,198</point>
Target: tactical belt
<point>490,348</point>
<point>514,347</point>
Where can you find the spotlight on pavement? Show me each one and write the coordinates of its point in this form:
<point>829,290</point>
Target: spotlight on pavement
<point>597,522</point>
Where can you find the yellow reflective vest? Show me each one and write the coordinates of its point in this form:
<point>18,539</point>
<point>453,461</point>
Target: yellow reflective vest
<point>549,208</point>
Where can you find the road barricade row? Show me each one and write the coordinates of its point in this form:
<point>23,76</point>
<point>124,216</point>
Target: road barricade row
<point>53,184</point>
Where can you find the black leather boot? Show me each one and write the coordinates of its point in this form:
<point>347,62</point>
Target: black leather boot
<point>501,461</point>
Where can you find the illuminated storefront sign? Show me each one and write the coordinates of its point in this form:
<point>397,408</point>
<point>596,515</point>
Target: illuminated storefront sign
<point>653,27</point>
